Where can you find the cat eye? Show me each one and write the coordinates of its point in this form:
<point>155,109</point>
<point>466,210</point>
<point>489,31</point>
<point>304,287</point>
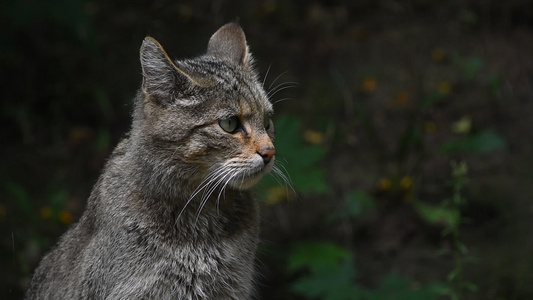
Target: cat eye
<point>229,125</point>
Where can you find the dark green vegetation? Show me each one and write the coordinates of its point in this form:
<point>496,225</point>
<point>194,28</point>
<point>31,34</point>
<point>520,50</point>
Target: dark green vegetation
<point>408,137</point>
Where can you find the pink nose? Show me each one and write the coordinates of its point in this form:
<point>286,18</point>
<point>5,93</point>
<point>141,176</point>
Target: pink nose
<point>267,154</point>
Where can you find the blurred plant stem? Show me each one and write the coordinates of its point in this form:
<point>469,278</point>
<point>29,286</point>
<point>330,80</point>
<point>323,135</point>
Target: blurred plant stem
<point>458,287</point>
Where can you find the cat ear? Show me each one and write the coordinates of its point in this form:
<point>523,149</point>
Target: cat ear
<point>160,74</point>
<point>229,43</point>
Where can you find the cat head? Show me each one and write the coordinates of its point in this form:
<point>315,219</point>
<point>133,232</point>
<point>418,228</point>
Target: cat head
<point>208,118</point>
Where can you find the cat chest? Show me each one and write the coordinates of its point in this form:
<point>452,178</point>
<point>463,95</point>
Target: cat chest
<point>206,272</point>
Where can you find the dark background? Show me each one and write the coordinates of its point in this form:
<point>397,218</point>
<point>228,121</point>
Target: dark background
<point>388,94</point>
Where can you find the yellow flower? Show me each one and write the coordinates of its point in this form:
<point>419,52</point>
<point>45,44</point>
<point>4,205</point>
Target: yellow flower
<point>406,182</point>
<point>276,195</point>
<point>314,137</point>
<point>384,184</point>
<point>369,85</point>
<point>65,217</point>
<point>46,212</point>
<point>463,125</point>
<point>445,87</point>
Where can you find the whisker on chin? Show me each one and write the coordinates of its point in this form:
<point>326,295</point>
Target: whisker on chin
<point>243,176</point>
<point>223,189</point>
<point>277,178</point>
<point>283,171</point>
<point>204,184</point>
<point>279,171</point>
<point>213,184</point>
<point>217,182</point>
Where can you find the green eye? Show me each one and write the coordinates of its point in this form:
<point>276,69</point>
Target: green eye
<point>267,122</point>
<point>229,125</point>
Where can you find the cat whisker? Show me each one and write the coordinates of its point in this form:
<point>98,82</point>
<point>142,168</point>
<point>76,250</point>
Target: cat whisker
<point>280,171</point>
<point>205,182</point>
<point>223,190</point>
<point>280,167</point>
<point>213,184</point>
<point>280,87</point>
<point>293,83</point>
<point>224,187</point>
<point>266,75</point>
<point>217,182</point>
<point>243,176</point>
<point>282,181</point>
<point>285,179</point>
<point>277,178</point>
<point>276,79</point>
<point>281,100</point>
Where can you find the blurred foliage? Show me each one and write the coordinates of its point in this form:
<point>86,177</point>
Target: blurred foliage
<point>302,160</point>
<point>332,276</point>
<point>330,270</point>
<point>297,159</point>
<point>392,91</point>
<point>448,213</point>
<point>20,198</point>
<point>482,142</point>
<point>356,204</point>
<point>316,256</point>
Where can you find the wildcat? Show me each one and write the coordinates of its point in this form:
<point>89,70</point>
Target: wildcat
<point>171,216</point>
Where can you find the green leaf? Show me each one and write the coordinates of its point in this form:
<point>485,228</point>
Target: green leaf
<point>470,286</point>
<point>298,160</point>
<point>394,287</point>
<point>431,99</point>
<point>462,248</point>
<point>311,181</point>
<point>437,214</point>
<point>316,256</point>
<point>357,203</point>
<point>452,275</point>
<point>483,142</point>
<point>469,65</point>
<point>330,283</point>
<point>58,199</point>
<point>472,66</point>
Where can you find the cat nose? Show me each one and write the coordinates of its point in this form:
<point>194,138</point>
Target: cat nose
<point>267,154</point>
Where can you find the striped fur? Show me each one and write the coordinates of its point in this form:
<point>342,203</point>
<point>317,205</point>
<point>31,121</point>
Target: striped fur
<point>171,216</point>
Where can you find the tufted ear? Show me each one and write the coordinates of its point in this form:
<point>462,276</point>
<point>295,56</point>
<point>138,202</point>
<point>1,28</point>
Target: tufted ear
<point>229,43</point>
<point>160,75</point>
